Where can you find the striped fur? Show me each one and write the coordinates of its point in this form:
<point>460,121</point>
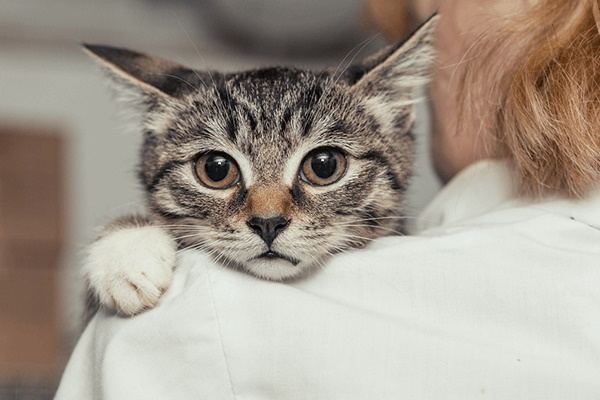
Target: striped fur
<point>268,120</point>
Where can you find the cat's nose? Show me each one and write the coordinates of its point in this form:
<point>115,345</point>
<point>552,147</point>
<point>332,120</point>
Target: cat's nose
<point>268,228</point>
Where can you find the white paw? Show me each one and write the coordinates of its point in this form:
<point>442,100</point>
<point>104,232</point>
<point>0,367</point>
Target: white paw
<point>130,269</point>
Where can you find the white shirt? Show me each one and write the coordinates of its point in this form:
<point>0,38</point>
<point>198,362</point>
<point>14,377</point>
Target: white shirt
<point>494,298</point>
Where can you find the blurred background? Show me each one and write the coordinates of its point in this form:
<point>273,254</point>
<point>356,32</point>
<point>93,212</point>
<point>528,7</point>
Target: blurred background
<point>67,158</point>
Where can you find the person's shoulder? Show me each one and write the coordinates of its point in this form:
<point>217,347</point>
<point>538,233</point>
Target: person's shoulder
<point>477,190</point>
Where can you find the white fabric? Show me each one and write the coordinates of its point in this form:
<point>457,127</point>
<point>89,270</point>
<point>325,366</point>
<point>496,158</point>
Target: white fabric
<point>496,298</point>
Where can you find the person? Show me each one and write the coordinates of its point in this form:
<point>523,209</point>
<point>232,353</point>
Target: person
<point>516,80</point>
<point>497,294</point>
<point>543,114</point>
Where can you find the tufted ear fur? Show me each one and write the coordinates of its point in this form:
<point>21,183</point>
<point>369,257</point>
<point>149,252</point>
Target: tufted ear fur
<point>147,78</point>
<point>403,65</point>
<point>390,77</point>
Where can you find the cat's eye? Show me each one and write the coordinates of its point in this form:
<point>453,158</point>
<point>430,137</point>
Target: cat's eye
<point>217,170</point>
<point>323,166</point>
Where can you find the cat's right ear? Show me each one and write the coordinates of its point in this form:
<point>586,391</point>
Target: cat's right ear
<point>397,70</point>
<point>148,78</point>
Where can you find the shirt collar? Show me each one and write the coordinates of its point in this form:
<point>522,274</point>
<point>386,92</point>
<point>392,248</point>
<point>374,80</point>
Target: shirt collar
<point>477,189</point>
<point>490,185</point>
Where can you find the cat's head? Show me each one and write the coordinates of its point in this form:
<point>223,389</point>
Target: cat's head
<point>276,169</point>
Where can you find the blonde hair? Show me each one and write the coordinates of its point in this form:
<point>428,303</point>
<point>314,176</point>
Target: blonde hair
<point>543,110</point>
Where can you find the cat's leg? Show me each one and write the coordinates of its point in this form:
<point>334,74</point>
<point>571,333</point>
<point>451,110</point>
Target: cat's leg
<point>130,265</point>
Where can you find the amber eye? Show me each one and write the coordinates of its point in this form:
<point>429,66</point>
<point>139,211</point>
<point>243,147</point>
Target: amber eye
<point>217,170</point>
<point>323,166</point>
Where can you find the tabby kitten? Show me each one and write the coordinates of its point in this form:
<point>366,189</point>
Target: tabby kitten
<point>270,170</point>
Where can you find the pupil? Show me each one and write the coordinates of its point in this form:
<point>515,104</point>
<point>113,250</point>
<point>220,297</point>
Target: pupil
<point>324,165</point>
<point>217,168</point>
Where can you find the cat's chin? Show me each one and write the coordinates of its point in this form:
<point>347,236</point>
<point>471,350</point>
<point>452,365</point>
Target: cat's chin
<point>275,268</point>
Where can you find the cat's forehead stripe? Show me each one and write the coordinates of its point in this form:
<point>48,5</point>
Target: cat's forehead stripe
<point>249,116</point>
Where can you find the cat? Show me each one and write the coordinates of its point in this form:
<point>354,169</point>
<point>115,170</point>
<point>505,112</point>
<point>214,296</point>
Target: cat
<point>269,170</point>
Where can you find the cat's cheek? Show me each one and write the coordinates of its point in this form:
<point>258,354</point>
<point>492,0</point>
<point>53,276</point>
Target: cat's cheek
<point>130,269</point>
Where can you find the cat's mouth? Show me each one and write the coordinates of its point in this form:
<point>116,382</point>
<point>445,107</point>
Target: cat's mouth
<point>272,255</point>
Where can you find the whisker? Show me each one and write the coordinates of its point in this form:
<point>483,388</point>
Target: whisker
<point>198,52</point>
<point>400,217</point>
<point>176,77</point>
<point>364,44</point>
<point>215,86</point>
<point>370,226</point>
<point>199,246</point>
<point>348,235</point>
<point>185,228</point>
<point>188,236</point>
<point>361,45</point>
<point>333,80</point>
<point>184,62</point>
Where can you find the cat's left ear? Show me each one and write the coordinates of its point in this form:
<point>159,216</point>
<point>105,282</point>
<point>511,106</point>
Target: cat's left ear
<point>147,78</point>
<point>390,76</point>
